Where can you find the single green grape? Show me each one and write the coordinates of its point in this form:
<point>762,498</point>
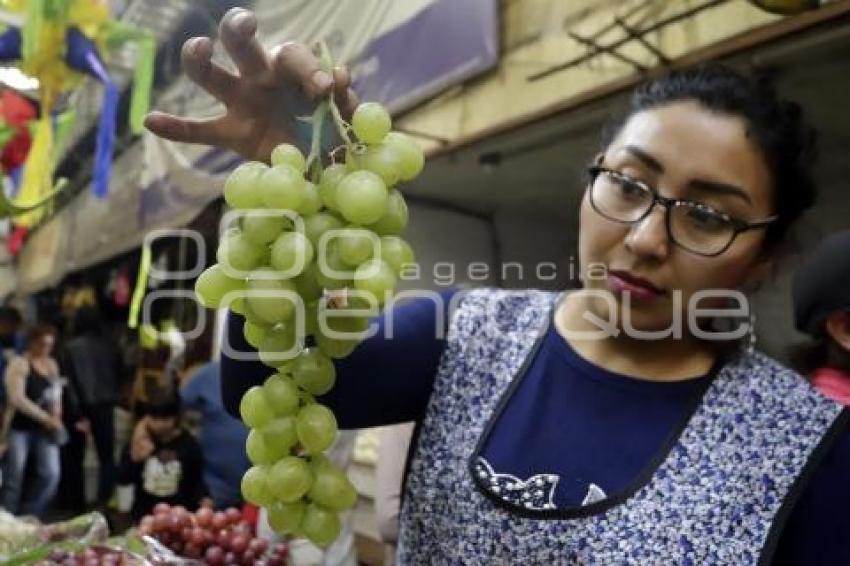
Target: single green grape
<point>371,122</point>
<point>238,253</point>
<point>291,253</point>
<point>320,525</point>
<point>242,190</point>
<point>318,224</point>
<point>280,436</point>
<point>307,285</point>
<point>377,278</point>
<point>271,300</point>
<point>254,408</point>
<point>261,452</point>
<point>332,489</point>
<point>411,158</point>
<point>285,518</point>
<point>281,394</point>
<point>333,273</point>
<point>362,197</point>
<point>213,284</point>
<point>396,253</point>
<point>290,155</point>
<point>279,346</point>
<point>395,219</point>
<point>255,487</point>
<point>331,177</point>
<point>262,228</point>
<point>316,428</point>
<point>384,161</point>
<point>314,371</point>
<point>254,333</point>
<point>290,479</point>
<point>282,186</point>
<point>356,245</point>
<point>335,348</point>
<point>312,202</point>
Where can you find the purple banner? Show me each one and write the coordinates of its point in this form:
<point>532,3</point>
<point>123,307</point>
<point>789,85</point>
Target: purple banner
<point>443,45</point>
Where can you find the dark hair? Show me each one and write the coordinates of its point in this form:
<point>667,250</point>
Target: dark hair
<point>10,315</point>
<point>39,330</point>
<point>821,351</point>
<point>776,127</point>
<point>163,402</point>
<point>87,321</point>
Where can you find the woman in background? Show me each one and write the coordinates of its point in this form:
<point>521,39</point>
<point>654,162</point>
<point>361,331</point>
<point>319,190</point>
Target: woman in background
<point>34,391</point>
<point>821,294</point>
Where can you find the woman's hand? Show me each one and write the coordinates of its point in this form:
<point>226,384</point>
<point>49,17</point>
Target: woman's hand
<point>83,426</point>
<point>53,423</point>
<point>262,101</point>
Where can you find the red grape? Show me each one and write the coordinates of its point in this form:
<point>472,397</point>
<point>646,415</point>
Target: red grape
<point>233,515</point>
<point>275,560</point>
<point>197,536</point>
<point>175,525</point>
<point>248,558</point>
<point>230,558</point>
<point>238,544</point>
<point>222,538</point>
<point>204,517</point>
<point>219,520</point>
<point>192,550</point>
<point>259,546</point>
<point>160,522</point>
<point>177,546</point>
<point>214,556</point>
<point>161,508</point>
<point>186,533</point>
<point>281,549</point>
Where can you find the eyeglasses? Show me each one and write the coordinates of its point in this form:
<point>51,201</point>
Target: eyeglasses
<point>693,226</point>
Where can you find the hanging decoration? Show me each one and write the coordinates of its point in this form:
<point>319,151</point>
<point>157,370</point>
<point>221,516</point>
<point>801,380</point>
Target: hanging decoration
<point>59,43</point>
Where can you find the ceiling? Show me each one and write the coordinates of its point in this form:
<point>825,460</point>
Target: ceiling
<point>538,167</point>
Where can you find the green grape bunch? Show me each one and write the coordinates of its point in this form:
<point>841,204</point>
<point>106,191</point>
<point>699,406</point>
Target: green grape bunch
<point>316,248</point>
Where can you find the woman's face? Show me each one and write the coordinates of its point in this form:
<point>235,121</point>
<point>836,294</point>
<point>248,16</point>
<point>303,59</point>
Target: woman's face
<point>43,346</point>
<point>683,151</point>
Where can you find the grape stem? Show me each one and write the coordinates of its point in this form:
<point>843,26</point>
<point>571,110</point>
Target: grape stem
<point>318,119</point>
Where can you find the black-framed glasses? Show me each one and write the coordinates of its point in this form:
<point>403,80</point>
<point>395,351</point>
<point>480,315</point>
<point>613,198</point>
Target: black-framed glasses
<point>691,225</point>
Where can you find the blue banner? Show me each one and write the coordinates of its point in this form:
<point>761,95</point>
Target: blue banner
<point>445,44</point>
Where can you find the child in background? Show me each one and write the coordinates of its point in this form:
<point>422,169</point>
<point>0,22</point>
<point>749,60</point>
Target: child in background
<point>162,460</point>
<point>222,436</point>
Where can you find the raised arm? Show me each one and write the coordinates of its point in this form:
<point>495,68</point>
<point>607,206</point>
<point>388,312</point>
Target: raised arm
<point>384,381</point>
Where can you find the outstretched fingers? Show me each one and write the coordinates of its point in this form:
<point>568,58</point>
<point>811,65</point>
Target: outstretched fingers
<point>207,131</point>
<point>294,63</point>
<point>345,97</point>
<point>197,62</point>
<point>238,32</point>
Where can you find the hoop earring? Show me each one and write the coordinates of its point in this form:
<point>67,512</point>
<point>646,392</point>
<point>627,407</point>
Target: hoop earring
<point>751,336</point>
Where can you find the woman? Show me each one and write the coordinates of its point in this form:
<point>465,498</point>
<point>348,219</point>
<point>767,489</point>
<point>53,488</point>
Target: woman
<point>33,387</point>
<point>821,296</point>
<point>539,444</point>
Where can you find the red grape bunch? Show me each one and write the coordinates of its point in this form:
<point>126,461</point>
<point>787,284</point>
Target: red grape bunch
<point>214,537</point>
